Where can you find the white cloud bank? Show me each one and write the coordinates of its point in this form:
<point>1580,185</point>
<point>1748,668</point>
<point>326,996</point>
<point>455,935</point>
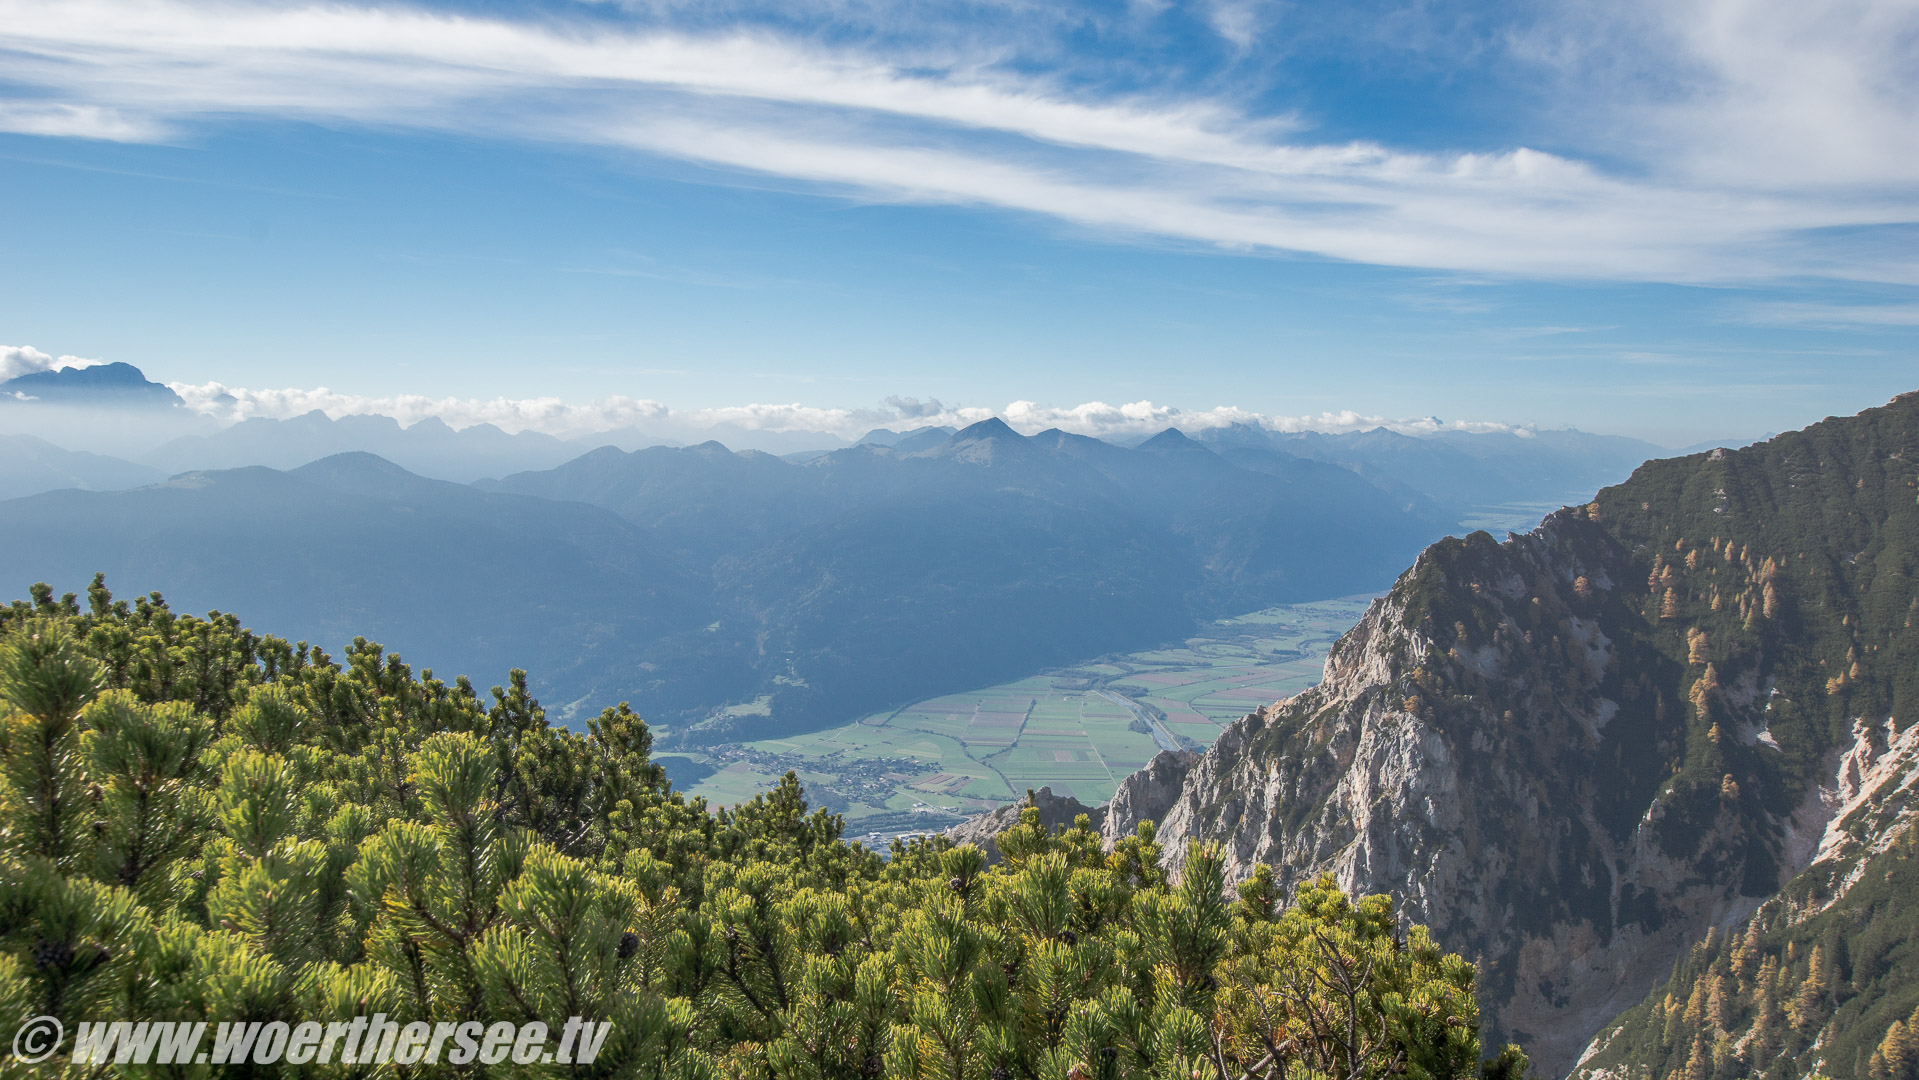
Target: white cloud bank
<point>555,417</point>
<point>1769,129</point>
<point>224,404</point>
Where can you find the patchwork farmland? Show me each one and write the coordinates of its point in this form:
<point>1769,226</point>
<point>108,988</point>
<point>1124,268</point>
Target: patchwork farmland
<point>1078,730</point>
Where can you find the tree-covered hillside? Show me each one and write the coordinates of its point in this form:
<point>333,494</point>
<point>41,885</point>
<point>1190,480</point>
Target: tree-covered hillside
<point>198,823</point>
<point>1819,980</point>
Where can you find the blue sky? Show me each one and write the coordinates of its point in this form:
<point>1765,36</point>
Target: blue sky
<point>1679,220</point>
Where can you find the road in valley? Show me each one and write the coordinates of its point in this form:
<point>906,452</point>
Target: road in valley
<point>1160,735</point>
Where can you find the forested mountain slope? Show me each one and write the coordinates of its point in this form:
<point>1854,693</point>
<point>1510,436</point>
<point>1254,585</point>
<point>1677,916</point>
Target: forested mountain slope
<point>1821,979</point>
<point>1575,752</point>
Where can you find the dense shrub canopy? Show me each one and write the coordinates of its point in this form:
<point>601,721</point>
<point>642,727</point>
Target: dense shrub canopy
<point>202,824</point>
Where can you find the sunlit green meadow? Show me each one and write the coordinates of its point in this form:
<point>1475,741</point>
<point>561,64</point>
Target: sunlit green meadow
<point>1077,730</point>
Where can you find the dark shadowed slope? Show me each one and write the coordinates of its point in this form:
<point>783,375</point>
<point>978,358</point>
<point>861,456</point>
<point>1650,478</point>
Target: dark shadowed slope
<point>453,578</point>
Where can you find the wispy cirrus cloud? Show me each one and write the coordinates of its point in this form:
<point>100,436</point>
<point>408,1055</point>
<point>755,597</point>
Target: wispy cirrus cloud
<point>1829,315</point>
<point>960,125</point>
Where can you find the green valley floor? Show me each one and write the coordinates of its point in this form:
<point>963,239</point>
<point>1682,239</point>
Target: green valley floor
<point>1078,730</point>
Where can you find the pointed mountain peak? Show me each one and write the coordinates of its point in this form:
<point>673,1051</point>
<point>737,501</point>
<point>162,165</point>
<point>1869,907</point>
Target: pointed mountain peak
<point>1172,441</point>
<point>990,428</point>
<point>984,443</point>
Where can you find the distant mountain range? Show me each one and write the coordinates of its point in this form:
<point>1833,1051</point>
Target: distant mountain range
<point>458,579</point>
<point>868,577</point>
<point>740,593</point>
<point>731,592</point>
<point>115,407</point>
<point>429,447</point>
<point>1458,472</point>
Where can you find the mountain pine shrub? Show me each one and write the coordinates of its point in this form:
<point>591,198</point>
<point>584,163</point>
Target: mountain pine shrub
<point>202,824</point>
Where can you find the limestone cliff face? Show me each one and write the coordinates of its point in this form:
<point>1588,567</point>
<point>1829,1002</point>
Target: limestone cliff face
<point>1573,753</point>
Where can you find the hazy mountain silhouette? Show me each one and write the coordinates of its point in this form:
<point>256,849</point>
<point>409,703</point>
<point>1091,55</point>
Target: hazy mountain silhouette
<point>687,579</point>
<point>429,447</point>
<point>870,576</point>
<point>909,441</point>
<point>29,465</point>
<point>450,577</point>
<point>112,385</point>
<point>1459,471</point>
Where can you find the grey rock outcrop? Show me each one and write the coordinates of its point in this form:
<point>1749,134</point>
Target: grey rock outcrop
<point>1150,793</point>
<point>1055,811</point>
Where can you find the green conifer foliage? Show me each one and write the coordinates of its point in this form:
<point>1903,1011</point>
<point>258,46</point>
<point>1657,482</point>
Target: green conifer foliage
<point>47,679</point>
<point>204,825</point>
<point>147,760</point>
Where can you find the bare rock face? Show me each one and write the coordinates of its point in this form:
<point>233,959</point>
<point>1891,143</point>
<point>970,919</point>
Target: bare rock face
<point>1055,811</point>
<point>1572,753</point>
<point>1149,794</point>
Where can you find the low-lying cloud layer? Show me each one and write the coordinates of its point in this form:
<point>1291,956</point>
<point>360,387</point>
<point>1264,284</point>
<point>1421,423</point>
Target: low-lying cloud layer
<point>554,416</point>
<point>1680,140</point>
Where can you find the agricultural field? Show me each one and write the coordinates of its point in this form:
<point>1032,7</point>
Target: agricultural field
<point>1502,518</point>
<point>1078,730</point>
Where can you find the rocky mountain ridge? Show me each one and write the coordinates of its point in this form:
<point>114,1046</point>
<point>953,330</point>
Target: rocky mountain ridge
<point>1575,753</point>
